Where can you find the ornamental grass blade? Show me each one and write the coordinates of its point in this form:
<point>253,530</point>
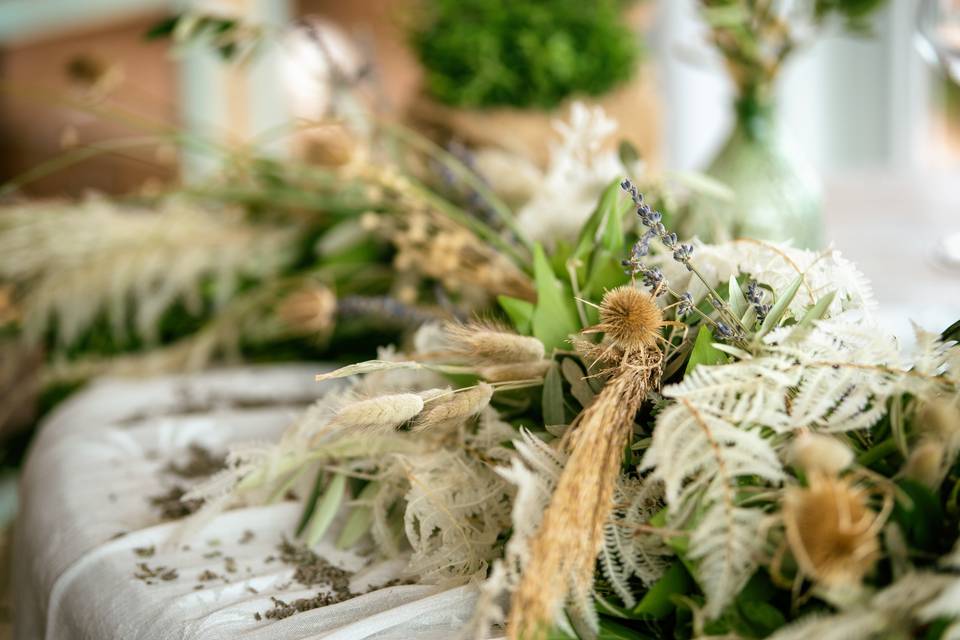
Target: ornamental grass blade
<point>326,509</point>
<point>817,311</point>
<point>780,308</point>
<point>738,301</point>
<point>366,367</point>
<point>360,519</point>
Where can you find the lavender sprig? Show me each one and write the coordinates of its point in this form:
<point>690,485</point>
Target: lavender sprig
<point>731,328</point>
<point>754,295</point>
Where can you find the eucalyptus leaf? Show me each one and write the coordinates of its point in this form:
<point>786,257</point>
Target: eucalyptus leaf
<point>554,317</point>
<point>326,509</point>
<point>657,602</point>
<point>553,398</point>
<point>579,387</point>
<point>703,351</point>
<point>519,311</point>
<point>360,519</point>
<point>586,242</point>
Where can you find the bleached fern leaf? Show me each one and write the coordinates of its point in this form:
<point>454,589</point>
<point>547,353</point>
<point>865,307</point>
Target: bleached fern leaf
<point>900,610</point>
<point>73,262</point>
<point>745,392</point>
<point>699,457</point>
<point>627,550</point>
<point>534,472</point>
<point>776,265</point>
<point>455,512</point>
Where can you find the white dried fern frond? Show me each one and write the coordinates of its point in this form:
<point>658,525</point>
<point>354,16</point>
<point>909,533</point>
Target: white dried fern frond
<point>898,610</point>
<point>699,457</point>
<point>72,262</point>
<point>777,266</point>
<point>627,551</point>
<point>534,473</point>
<point>456,508</point>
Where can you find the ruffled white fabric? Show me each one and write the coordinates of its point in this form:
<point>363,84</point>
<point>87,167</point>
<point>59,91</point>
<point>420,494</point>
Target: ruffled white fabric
<point>87,480</point>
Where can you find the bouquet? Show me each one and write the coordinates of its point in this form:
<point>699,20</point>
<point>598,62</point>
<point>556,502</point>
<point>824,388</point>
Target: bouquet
<point>671,440</point>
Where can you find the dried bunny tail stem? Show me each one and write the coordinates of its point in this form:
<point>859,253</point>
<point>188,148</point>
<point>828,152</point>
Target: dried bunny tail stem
<point>518,371</point>
<point>488,343</point>
<point>382,413</point>
<point>563,553</point>
<point>457,406</point>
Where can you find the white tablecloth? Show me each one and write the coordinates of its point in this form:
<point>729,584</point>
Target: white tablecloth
<point>87,480</point>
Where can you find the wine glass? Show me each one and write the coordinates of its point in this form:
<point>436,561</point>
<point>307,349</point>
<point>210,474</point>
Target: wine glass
<point>937,38</point>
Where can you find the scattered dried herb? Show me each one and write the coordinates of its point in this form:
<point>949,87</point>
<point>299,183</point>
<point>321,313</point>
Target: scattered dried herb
<point>172,506</point>
<point>201,462</point>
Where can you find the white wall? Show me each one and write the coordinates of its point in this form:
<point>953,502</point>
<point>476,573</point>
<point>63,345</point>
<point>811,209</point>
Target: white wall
<point>846,102</point>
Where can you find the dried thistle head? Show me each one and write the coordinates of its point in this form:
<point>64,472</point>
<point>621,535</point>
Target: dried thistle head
<point>630,319</point>
<point>487,343</point>
<point>831,529</point>
<point>309,310</point>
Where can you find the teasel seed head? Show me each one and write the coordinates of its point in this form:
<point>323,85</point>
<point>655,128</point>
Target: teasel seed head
<point>630,318</point>
<point>815,452</point>
<point>831,530</point>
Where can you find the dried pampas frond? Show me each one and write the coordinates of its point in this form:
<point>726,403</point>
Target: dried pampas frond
<point>74,263</point>
<point>564,550</point>
<point>831,529</point>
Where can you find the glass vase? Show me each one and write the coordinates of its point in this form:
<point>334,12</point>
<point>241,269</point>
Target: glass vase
<point>775,195</point>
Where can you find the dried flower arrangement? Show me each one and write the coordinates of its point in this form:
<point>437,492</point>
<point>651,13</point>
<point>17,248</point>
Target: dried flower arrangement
<point>715,443</point>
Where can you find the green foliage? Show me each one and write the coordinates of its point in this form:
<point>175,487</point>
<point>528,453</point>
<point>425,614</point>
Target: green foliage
<point>854,14</point>
<point>554,318</point>
<point>522,53</point>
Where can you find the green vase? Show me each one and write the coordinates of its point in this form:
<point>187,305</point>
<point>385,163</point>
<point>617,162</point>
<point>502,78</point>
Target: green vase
<point>775,196</point>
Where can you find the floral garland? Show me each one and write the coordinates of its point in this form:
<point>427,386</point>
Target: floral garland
<point>717,442</point>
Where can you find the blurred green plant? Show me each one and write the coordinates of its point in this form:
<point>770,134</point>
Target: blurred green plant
<point>522,53</point>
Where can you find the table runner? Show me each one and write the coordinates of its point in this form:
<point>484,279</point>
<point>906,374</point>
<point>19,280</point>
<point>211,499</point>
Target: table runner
<point>93,559</point>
